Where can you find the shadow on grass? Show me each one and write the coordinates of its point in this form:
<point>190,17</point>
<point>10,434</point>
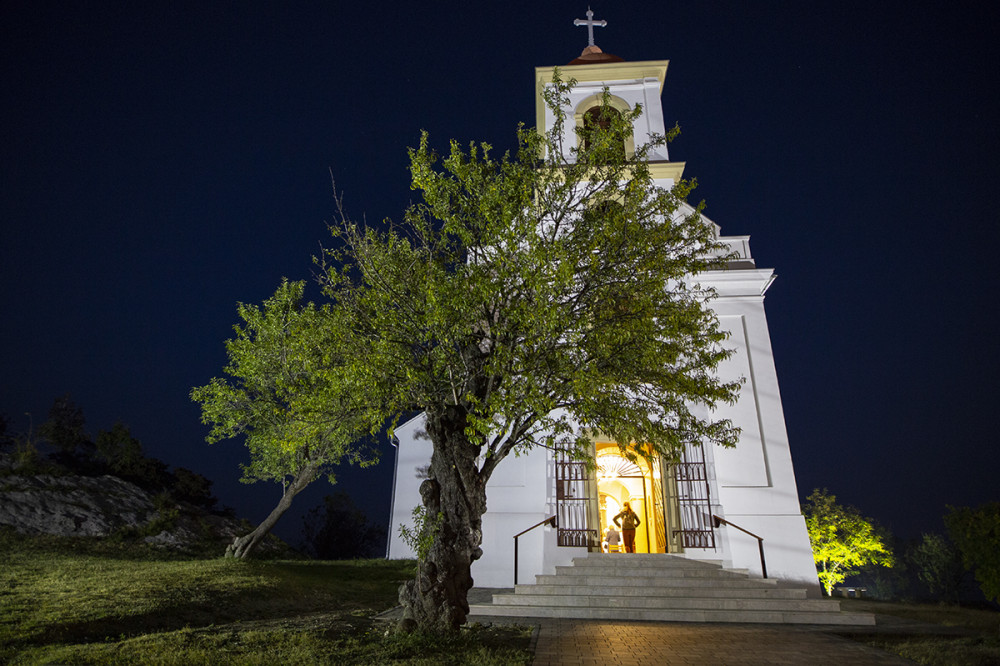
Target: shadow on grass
<point>291,591</point>
<point>167,618</point>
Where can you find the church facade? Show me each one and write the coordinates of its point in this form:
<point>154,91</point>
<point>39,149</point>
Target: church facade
<point>715,502</point>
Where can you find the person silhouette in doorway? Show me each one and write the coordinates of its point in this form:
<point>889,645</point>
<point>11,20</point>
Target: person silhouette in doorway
<point>629,521</point>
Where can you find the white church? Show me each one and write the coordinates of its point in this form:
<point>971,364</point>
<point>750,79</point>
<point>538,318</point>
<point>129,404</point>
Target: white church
<point>736,507</point>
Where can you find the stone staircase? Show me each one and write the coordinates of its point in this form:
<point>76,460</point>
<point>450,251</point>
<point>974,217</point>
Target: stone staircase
<point>664,588</point>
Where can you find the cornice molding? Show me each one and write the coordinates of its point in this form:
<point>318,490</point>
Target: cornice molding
<point>752,282</point>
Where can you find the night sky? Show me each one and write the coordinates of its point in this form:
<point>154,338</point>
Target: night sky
<point>162,163</point>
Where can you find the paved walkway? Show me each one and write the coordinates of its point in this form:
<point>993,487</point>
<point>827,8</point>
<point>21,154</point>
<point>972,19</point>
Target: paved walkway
<point>566,642</point>
<point>593,642</point>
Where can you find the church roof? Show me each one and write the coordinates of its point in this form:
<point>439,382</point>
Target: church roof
<point>593,55</point>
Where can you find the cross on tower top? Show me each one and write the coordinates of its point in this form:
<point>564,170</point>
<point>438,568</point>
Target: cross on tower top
<point>590,23</point>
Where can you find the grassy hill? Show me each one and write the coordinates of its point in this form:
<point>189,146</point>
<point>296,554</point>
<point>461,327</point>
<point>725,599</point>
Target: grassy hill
<point>99,601</point>
<point>115,601</point>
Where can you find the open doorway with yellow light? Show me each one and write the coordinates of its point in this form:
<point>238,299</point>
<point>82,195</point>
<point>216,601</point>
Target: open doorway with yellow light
<point>649,494</point>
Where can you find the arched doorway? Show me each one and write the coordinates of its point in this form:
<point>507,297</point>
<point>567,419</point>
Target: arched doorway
<point>642,485</point>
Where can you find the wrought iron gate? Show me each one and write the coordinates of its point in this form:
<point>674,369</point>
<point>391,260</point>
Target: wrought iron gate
<point>691,476</point>
<point>575,502</point>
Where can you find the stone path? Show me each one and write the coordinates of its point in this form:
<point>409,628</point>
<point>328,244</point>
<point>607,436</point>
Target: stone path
<point>594,642</point>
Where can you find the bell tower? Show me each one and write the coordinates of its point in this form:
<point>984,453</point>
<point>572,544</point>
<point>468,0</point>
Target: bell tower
<point>629,83</point>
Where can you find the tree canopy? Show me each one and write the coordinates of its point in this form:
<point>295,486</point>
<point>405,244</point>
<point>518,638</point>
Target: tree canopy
<point>287,398</point>
<point>531,299</point>
<point>842,539</point>
<point>546,298</point>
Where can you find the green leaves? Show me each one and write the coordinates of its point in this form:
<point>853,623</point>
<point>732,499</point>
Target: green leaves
<point>420,537</point>
<point>541,291</point>
<point>543,294</point>
<point>290,393</point>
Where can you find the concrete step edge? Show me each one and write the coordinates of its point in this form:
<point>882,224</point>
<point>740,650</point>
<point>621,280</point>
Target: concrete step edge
<point>651,581</point>
<point>678,591</point>
<point>650,571</point>
<point>755,617</point>
<point>668,603</point>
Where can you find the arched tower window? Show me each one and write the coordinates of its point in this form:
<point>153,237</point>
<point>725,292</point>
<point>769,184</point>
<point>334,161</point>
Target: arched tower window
<point>592,113</point>
<point>600,117</point>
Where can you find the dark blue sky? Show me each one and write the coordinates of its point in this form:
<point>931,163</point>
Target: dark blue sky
<point>161,164</point>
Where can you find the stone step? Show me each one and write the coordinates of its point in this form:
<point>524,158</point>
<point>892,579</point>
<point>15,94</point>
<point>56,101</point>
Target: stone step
<point>666,603</point>
<point>573,578</point>
<point>652,561</point>
<point>655,560</point>
<point>663,591</point>
<point>664,588</point>
<point>664,572</point>
<point>663,615</point>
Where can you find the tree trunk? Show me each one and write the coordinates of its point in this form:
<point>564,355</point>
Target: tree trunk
<point>242,547</point>
<point>455,500</point>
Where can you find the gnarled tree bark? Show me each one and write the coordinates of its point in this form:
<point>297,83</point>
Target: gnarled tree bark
<point>455,500</point>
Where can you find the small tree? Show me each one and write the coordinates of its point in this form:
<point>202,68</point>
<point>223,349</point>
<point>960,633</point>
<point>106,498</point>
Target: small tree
<point>338,530</point>
<point>122,453</point>
<point>842,539</point>
<point>27,459</point>
<point>7,439</point>
<point>287,399</point>
<point>64,430</point>
<point>939,566</point>
<point>976,532</point>
<point>529,300</point>
<point>193,488</point>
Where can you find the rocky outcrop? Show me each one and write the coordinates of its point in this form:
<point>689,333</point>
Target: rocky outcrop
<point>73,505</point>
<point>81,506</point>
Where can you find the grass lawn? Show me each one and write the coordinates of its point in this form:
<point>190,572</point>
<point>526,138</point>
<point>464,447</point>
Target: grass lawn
<point>83,601</point>
<point>969,636</point>
<point>75,601</point>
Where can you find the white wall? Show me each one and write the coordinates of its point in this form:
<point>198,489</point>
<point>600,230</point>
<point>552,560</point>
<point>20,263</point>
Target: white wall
<point>755,481</point>
<point>413,452</point>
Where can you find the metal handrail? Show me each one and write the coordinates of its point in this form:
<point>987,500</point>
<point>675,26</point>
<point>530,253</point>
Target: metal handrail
<point>550,519</point>
<point>760,540</point>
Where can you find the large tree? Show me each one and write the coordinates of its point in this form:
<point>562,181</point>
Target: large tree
<point>842,539</point>
<point>534,299</point>
<point>287,398</point>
